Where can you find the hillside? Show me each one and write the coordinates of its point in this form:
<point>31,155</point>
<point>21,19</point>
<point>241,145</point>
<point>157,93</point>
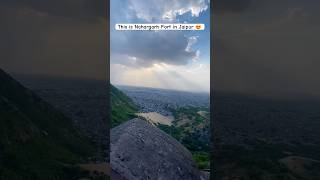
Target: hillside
<point>122,107</point>
<point>84,101</point>
<point>37,141</point>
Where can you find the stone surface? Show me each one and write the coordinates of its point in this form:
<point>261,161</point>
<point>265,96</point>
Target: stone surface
<point>141,151</point>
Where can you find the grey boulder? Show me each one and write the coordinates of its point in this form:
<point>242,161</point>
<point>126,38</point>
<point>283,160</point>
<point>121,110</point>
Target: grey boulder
<point>141,151</point>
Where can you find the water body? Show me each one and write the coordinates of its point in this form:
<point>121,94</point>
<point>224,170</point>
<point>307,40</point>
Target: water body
<point>156,118</point>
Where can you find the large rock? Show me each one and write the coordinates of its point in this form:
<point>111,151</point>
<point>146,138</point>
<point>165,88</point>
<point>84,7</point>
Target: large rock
<point>141,151</point>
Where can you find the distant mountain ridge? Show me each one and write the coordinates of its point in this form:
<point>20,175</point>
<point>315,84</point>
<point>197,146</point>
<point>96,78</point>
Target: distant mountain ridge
<point>37,141</point>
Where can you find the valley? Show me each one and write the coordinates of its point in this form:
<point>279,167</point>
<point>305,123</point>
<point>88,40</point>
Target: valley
<point>183,115</point>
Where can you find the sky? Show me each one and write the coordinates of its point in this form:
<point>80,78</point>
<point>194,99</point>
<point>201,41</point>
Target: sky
<point>267,47</point>
<point>177,60</point>
<point>262,47</point>
<point>64,38</point>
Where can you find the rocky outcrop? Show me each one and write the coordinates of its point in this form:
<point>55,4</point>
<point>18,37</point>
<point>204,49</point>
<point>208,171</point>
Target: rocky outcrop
<point>141,151</point>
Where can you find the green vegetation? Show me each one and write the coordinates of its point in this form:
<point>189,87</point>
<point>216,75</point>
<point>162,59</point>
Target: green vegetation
<point>190,113</point>
<point>203,159</point>
<point>173,131</point>
<point>122,107</point>
<point>192,129</point>
<point>36,141</point>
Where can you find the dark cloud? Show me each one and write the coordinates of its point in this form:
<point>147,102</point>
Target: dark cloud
<point>154,47</point>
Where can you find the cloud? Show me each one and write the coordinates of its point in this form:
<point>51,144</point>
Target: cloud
<point>194,77</point>
<point>192,40</point>
<point>155,47</point>
<point>147,48</point>
<point>163,59</point>
<point>155,10</point>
